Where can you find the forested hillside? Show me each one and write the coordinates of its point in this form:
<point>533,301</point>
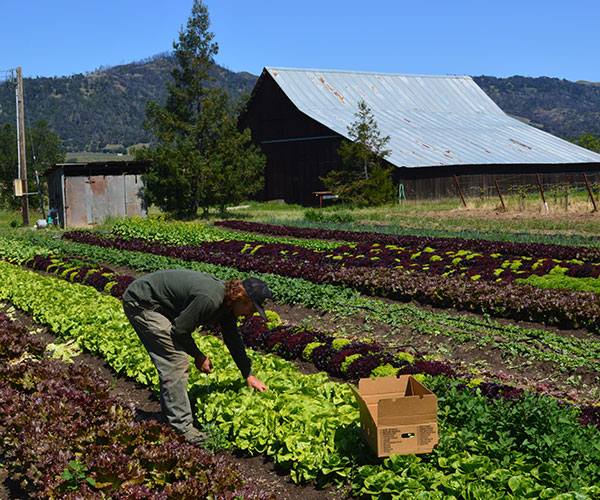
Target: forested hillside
<point>563,108</point>
<point>107,107</point>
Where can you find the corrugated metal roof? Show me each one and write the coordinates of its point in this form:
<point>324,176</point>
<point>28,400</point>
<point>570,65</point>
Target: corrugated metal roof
<point>431,120</point>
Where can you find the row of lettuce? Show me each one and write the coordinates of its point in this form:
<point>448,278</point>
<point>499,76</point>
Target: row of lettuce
<point>64,436</point>
<point>536,447</point>
<point>565,353</point>
<point>559,307</point>
<point>563,252</point>
<point>321,220</point>
<point>314,348</point>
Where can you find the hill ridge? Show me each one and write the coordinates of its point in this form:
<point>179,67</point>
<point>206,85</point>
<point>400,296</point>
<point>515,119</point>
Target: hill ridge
<point>107,106</point>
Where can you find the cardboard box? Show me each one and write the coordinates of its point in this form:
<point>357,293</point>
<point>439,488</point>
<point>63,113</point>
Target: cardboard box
<point>397,415</point>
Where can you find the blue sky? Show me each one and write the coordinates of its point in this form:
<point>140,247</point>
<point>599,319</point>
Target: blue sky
<point>497,38</point>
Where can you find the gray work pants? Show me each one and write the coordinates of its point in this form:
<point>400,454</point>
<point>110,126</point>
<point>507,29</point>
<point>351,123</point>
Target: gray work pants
<point>170,360</point>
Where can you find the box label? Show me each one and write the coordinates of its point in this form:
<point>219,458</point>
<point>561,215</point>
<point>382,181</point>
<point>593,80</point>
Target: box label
<point>389,437</point>
<point>425,435</point>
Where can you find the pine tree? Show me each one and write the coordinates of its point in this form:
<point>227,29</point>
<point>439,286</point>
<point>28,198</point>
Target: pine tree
<point>363,180</point>
<point>367,147</point>
<point>191,165</point>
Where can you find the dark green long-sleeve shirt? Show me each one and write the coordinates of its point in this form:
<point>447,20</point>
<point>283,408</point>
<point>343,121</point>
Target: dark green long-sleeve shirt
<point>190,299</point>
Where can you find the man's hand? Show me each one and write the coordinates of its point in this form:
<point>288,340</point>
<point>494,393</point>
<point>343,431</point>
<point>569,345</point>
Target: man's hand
<point>203,364</point>
<point>256,384</point>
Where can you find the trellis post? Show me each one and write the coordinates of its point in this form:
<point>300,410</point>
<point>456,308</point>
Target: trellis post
<point>542,191</point>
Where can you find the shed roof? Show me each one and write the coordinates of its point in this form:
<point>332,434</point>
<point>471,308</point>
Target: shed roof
<point>112,167</point>
<point>431,120</point>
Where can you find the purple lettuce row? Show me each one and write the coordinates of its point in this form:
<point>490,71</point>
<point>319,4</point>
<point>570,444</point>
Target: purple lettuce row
<point>565,308</point>
<point>590,415</point>
<point>92,275</point>
<point>63,436</point>
<point>537,250</point>
<point>293,259</point>
<point>289,342</point>
<point>483,266</point>
<point>16,341</point>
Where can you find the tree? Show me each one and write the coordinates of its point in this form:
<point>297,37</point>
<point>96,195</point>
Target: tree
<point>8,164</point>
<point>590,142</point>
<point>43,149</point>
<point>367,146</point>
<point>363,180</point>
<point>201,158</point>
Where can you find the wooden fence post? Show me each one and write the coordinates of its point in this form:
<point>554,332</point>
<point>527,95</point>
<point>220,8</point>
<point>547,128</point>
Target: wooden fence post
<point>590,191</point>
<point>500,195</point>
<point>460,190</point>
<point>542,191</point>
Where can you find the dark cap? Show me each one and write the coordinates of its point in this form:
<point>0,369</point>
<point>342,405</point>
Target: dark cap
<point>258,292</point>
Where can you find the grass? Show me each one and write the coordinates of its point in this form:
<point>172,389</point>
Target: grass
<point>481,215</point>
<point>528,215</point>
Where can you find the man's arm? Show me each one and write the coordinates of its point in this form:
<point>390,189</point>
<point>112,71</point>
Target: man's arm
<point>234,342</point>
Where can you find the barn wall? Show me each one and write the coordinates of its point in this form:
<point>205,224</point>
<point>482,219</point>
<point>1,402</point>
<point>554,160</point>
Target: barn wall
<point>299,149</point>
<point>480,180</point>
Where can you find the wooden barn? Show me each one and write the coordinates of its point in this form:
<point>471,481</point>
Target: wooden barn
<point>442,129</point>
<point>83,194</point>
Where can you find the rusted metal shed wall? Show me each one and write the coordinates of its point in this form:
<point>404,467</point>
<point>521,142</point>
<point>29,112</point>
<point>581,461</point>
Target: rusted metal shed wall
<point>90,200</point>
<point>86,194</point>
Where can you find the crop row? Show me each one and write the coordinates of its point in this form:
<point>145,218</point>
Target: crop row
<point>155,228</point>
<point>515,301</point>
<point>491,265</point>
<point>338,356</point>
<point>75,270</point>
<point>333,220</point>
<point>64,436</point>
<point>366,356</point>
<point>564,352</point>
<point>535,250</point>
<point>535,448</point>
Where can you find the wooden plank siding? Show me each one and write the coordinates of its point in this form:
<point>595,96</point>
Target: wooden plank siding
<point>480,180</point>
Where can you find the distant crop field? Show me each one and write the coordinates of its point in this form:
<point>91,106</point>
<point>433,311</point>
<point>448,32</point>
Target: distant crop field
<point>84,156</point>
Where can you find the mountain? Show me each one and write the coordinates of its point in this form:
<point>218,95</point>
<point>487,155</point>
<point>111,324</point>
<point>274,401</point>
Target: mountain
<point>107,107</point>
<point>563,108</point>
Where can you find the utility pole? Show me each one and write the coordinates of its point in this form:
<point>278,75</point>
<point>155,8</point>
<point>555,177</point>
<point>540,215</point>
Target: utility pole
<point>21,146</point>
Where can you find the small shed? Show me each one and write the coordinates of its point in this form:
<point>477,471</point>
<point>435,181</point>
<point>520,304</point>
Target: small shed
<point>83,194</point>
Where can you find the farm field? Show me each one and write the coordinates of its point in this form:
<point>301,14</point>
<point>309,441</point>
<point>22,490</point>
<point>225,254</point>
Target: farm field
<point>505,333</point>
